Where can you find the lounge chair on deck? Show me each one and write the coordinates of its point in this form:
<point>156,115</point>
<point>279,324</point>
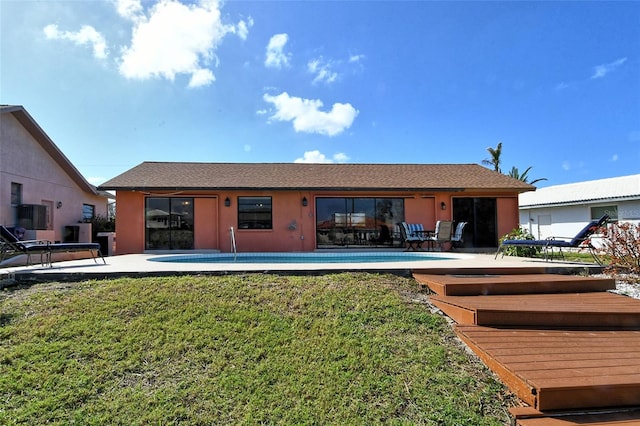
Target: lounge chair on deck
<point>442,234</point>
<point>580,241</point>
<point>457,238</point>
<point>12,245</point>
<point>413,234</point>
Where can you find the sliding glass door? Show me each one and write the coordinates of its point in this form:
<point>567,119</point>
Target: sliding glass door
<point>358,221</point>
<point>168,223</point>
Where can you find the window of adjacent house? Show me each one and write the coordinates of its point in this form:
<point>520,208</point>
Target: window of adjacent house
<point>254,213</point>
<point>16,194</point>
<point>88,211</point>
<point>598,212</point>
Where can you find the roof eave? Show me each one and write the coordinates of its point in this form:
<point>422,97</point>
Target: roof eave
<point>27,121</point>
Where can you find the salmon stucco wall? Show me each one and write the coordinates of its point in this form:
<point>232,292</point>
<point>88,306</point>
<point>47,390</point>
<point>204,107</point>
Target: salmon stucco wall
<point>293,225</point>
<point>129,222</point>
<point>507,215</point>
<point>206,237</point>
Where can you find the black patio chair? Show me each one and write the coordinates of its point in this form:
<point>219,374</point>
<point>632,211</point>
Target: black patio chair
<point>46,248</point>
<point>13,246</point>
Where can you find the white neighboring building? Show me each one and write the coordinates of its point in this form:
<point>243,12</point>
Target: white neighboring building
<point>563,210</point>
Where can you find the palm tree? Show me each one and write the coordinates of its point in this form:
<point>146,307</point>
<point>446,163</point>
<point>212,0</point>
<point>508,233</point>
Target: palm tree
<point>514,173</point>
<point>494,161</point>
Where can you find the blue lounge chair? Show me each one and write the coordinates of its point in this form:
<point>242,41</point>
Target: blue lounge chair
<point>413,234</point>
<point>12,245</point>
<point>581,240</point>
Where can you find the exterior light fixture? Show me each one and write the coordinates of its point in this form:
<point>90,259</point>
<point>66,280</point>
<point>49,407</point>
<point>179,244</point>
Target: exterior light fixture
<point>443,206</point>
<point>227,202</point>
<point>59,205</point>
<point>304,201</point>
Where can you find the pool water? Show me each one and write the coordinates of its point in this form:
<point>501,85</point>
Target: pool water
<point>315,257</point>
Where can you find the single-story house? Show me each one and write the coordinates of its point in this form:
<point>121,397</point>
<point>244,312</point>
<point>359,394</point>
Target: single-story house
<point>295,207</point>
<point>562,210</point>
<point>40,190</point>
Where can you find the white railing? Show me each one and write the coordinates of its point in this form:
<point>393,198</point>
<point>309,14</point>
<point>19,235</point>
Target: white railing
<point>233,243</point>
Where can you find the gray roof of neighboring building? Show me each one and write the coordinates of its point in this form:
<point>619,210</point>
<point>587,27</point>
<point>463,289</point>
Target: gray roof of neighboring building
<point>303,176</point>
<point>611,189</point>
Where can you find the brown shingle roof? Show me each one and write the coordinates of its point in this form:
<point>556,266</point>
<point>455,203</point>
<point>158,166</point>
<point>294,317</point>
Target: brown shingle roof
<point>273,176</point>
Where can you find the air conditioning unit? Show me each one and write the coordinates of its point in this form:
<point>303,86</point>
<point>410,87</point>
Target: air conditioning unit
<point>32,216</point>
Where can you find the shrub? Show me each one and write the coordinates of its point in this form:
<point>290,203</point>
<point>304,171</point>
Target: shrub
<point>519,234</point>
<point>622,244</point>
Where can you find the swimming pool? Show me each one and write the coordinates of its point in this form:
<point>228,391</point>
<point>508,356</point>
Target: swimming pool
<point>314,257</point>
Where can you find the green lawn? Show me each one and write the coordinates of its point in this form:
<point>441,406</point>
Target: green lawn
<point>351,348</point>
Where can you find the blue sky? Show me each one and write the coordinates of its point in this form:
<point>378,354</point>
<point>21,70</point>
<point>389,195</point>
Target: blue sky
<point>115,83</point>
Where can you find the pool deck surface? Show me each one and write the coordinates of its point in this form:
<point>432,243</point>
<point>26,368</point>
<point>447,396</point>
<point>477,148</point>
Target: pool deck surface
<point>140,265</point>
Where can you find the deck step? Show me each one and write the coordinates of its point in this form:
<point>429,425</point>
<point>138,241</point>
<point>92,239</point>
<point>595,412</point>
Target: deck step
<point>564,310</point>
<point>561,369</point>
<point>610,419</point>
<point>476,285</point>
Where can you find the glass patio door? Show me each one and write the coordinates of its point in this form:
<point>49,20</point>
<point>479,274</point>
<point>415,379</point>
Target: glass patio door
<point>480,215</point>
<point>358,221</point>
<point>168,223</point>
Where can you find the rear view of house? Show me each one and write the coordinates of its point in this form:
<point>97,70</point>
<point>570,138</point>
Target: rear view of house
<point>305,207</point>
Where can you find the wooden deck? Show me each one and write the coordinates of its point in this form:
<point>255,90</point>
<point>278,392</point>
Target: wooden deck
<point>594,310</point>
<point>558,342</point>
<point>562,369</point>
<point>492,284</point>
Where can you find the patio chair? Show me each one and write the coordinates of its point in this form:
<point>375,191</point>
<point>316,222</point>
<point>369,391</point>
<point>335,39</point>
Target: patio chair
<point>441,235</point>
<point>581,240</point>
<point>457,238</point>
<point>46,248</point>
<point>92,248</point>
<point>413,234</point>
<point>12,246</point>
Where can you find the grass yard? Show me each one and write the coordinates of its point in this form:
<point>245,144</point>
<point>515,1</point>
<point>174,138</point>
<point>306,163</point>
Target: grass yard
<point>346,348</point>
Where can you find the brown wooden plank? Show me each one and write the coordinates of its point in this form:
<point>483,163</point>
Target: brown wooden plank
<point>590,396</point>
<point>607,376</point>
<point>597,310</point>
<point>618,418</point>
<point>485,284</point>
<point>516,384</point>
<point>459,314</point>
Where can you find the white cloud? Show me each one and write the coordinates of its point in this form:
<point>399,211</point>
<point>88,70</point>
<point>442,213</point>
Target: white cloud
<point>600,71</point>
<point>318,157</point>
<point>174,39</point>
<point>341,157</point>
<point>242,29</point>
<point>614,157</point>
<point>322,71</point>
<point>307,117</point>
<point>201,77</point>
<point>356,58</point>
<point>129,9</point>
<point>86,35</point>
<point>275,56</point>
